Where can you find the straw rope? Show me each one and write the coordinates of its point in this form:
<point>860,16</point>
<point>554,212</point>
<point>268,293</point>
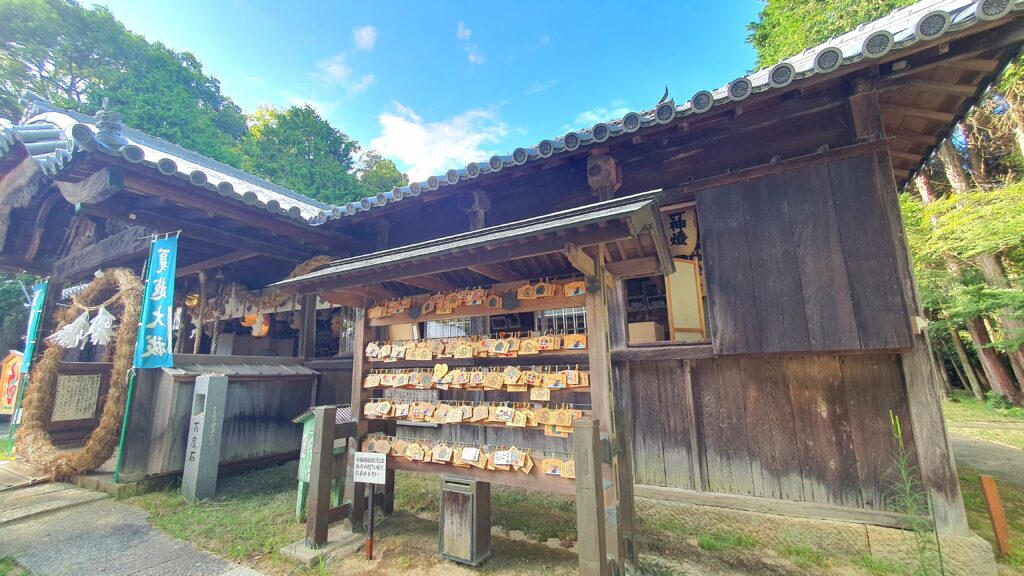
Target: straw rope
<point>33,439</point>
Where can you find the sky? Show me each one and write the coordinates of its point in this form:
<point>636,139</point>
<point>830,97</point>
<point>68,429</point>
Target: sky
<point>435,85</point>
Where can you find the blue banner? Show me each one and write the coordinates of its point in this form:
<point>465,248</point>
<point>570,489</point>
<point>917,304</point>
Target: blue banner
<point>153,346</point>
<point>35,316</point>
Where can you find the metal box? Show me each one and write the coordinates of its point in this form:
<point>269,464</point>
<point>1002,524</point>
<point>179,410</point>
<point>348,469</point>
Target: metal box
<point>465,520</point>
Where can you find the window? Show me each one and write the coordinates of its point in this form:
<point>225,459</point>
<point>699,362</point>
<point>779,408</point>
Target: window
<point>562,320</point>
<point>449,328</point>
<point>671,308</point>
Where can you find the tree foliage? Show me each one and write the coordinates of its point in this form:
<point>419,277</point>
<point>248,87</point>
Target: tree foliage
<point>76,57</point>
<point>298,149</point>
<point>787,27</point>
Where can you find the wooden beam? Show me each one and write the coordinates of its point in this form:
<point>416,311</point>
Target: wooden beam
<point>974,64</point>
<point>40,227</point>
<point>96,188</point>
<point>113,249</point>
<point>432,283</point>
<point>685,192</point>
<point>865,116</point>
<point>928,139</point>
<point>168,223</point>
<point>927,86</point>
<point>914,159</point>
<point>234,210</point>
<point>944,117</point>
<point>579,259</point>
<point>643,266</point>
<point>214,262</point>
<point>461,260</point>
<point>496,271</point>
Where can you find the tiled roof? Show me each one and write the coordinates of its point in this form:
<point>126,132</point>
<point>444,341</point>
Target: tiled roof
<point>924,21</point>
<point>55,138</point>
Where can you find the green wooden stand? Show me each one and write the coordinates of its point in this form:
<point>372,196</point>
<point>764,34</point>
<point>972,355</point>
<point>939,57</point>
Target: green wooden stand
<point>308,420</point>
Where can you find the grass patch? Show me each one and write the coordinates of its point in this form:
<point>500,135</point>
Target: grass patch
<point>718,541</point>
<point>654,567</point>
<point>804,555</point>
<point>977,514</point>
<point>251,518</point>
<point>878,566</point>
<point>964,407</point>
<point>9,567</point>
<point>540,515</point>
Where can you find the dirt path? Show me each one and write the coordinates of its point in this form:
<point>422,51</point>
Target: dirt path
<point>1004,463</point>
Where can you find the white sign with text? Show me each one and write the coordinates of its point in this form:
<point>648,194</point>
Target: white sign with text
<point>370,468</point>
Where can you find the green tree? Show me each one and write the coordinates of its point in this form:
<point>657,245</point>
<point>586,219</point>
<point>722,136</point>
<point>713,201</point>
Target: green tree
<point>299,149</point>
<point>787,27</point>
<point>379,174</point>
<point>75,57</point>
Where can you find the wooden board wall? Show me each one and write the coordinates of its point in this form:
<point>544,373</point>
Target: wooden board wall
<point>811,428</point>
<point>803,260</point>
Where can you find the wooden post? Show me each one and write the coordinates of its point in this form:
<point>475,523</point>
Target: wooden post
<point>321,473</point>
<point>354,492</point>
<point>924,403</point>
<point>615,465</point>
<point>590,526</point>
<point>995,512</point>
<point>622,392</point>
<point>307,332</point>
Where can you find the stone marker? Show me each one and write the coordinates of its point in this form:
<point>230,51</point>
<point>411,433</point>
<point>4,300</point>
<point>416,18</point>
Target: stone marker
<point>202,452</point>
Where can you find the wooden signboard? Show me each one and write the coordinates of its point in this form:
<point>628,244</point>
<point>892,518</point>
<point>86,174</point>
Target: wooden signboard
<point>76,398</point>
<point>10,372</point>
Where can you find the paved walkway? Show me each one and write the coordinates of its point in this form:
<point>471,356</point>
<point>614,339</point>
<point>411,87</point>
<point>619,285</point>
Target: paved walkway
<point>64,530</point>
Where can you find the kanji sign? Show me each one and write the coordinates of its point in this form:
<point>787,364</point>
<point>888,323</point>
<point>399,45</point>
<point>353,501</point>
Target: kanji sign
<point>681,228</point>
<point>370,468</point>
<point>153,346</point>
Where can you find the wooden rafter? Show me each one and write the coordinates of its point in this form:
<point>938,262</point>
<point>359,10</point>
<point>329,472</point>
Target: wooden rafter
<point>944,117</point>
<point>495,271</point>
<point>222,260</point>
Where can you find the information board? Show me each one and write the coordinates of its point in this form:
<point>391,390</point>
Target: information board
<point>77,395</point>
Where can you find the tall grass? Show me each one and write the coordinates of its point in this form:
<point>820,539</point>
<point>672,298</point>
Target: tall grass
<point>912,502</point>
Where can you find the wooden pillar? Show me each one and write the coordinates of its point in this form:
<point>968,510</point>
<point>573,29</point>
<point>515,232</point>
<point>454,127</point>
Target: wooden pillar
<point>603,174</point>
<point>307,331</point>
<point>865,115</point>
<point>354,493</point>
<point>475,203</point>
<point>615,465</point>
<point>924,402</point>
<point>622,391</point>
<point>590,525</point>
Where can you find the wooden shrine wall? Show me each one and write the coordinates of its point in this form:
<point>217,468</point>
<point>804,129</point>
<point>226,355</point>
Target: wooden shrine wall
<point>804,259</point>
<point>811,428</point>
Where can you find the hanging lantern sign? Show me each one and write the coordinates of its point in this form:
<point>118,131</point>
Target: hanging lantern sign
<point>681,228</point>
<point>153,347</point>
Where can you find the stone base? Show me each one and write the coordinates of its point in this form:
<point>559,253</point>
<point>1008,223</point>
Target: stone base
<point>968,555</point>
<point>340,542</point>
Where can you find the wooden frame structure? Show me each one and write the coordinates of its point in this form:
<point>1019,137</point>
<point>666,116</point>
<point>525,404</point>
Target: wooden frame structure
<point>572,241</point>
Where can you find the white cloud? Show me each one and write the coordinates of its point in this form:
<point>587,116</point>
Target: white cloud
<point>588,118</point>
<point>364,37</point>
<point>426,148</point>
<point>473,52</point>
<point>539,87</point>
<point>362,84</point>
<point>520,49</point>
<point>333,70</point>
<point>323,107</point>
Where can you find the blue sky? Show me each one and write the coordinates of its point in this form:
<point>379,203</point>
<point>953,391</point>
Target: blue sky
<point>439,84</point>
